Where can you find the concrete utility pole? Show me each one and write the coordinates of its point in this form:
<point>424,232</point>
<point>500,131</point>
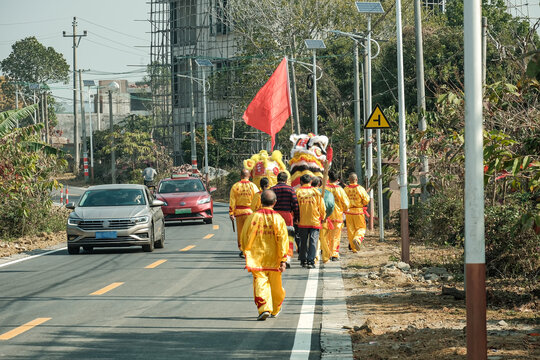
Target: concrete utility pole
<point>113,87</point>
<point>475,259</point>
<point>421,94</point>
<point>76,41</point>
<point>357,116</point>
<point>369,107</point>
<point>47,138</point>
<point>193,124</point>
<point>403,191</point>
<point>484,49</point>
<point>83,126</point>
<point>296,114</point>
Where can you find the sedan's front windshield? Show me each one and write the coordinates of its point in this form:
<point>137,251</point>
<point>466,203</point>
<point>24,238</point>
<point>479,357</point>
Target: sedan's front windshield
<point>112,197</point>
<point>182,186</point>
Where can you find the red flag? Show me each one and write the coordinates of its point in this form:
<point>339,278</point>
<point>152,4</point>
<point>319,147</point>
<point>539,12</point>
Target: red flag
<point>271,107</point>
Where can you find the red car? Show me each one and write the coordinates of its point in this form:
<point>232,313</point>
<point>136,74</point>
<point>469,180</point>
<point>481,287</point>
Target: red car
<point>186,199</point>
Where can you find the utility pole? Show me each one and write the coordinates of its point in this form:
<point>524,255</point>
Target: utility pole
<point>421,94</point>
<point>83,126</point>
<point>47,138</point>
<point>475,257</point>
<point>76,41</point>
<point>403,188</point>
<point>193,125</point>
<point>296,114</point>
<point>484,49</point>
<point>357,116</point>
<point>98,108</point>
<point>369,107</point>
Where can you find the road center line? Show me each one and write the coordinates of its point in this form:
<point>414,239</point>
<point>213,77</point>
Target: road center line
<point>188,248</point>
<point>216,227</point>
<point>302,339</point>
<point>208,236</point>
<point>107,288</point>
<point>23,328</point>
<point>155,264</point>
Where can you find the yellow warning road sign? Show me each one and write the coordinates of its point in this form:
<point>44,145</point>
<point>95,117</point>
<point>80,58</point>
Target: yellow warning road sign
<point>377,120</point>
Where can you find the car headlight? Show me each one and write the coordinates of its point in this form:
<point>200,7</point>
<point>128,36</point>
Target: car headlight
<point>74,220</point>
<point>203,200</point>
<point>141,219</point>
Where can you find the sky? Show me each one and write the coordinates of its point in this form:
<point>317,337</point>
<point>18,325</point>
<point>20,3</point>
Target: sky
<point>118,35</point>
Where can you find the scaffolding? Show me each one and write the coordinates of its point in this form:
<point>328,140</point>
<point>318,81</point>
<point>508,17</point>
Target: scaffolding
<point>159,71</point>
<point>183,31</point>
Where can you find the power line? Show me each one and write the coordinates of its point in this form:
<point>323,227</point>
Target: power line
<point>118,42</point>
<point>33,22</point>
<point>113,48</point>
<point>113,30</point>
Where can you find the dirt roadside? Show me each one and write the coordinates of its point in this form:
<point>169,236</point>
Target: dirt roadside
<point>397,312</point>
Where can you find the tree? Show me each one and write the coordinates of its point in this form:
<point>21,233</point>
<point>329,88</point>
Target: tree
<point>32,63</point>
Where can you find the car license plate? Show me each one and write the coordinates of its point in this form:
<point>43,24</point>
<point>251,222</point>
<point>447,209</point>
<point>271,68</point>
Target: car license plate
<point>182,211</point>
<point>106,235</point>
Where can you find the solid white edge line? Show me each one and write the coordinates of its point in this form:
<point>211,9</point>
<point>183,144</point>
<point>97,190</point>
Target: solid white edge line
<point>302,339</point>
<point>31,257</point>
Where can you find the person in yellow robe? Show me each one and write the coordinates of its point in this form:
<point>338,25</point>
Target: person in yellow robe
<point>265,243</point>
<point>256,202</point>
<point>240,199</point>
<point>356,222</point>
<point>331,231</point>
<point>312,212</point>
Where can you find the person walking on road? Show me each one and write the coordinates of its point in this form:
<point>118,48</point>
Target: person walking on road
<point>240,199</point>
<point>256,202</point>
<point>264,242</point>
<point>331,231</point>
<point>149,173</point>
<point>356,222</point>
<point>312,212</point>
<point>287,207</point>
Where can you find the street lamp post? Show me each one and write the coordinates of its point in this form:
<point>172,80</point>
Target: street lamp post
<point>113,87</point>
<point>370,8</point>
<point>203,64</point>
<point>314,45</point>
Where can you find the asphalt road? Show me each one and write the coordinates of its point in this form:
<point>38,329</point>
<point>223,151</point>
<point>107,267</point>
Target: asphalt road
<point>190,300</point>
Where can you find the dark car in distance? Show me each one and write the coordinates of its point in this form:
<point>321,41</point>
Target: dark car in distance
<point>186,198</point>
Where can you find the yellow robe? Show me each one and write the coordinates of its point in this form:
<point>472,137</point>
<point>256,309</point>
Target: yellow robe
<point>265,243</point>
<point>356,222</point>
<point>240,199</point>
<point>331,231</point>
<point>312,209</point>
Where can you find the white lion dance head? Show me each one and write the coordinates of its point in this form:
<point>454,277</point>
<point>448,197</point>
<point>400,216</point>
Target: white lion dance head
<point>307,156</point>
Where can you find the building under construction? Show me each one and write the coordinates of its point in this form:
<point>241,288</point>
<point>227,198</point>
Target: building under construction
<point>182,32</point>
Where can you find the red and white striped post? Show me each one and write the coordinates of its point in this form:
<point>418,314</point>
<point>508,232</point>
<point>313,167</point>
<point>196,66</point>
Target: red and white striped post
<point>62,195</point>
<point>85,162</point>
<point>67,195</point>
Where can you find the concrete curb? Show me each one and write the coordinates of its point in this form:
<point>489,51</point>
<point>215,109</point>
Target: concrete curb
<point>335,340</point>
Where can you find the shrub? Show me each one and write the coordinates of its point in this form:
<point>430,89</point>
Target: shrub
<point>511,251</point>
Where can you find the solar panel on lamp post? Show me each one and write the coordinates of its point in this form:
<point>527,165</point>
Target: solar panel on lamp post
<point>314,45</point>
<point>370,8</point>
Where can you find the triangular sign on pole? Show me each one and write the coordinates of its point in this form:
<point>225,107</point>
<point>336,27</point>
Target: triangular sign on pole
<point>377,120</point>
